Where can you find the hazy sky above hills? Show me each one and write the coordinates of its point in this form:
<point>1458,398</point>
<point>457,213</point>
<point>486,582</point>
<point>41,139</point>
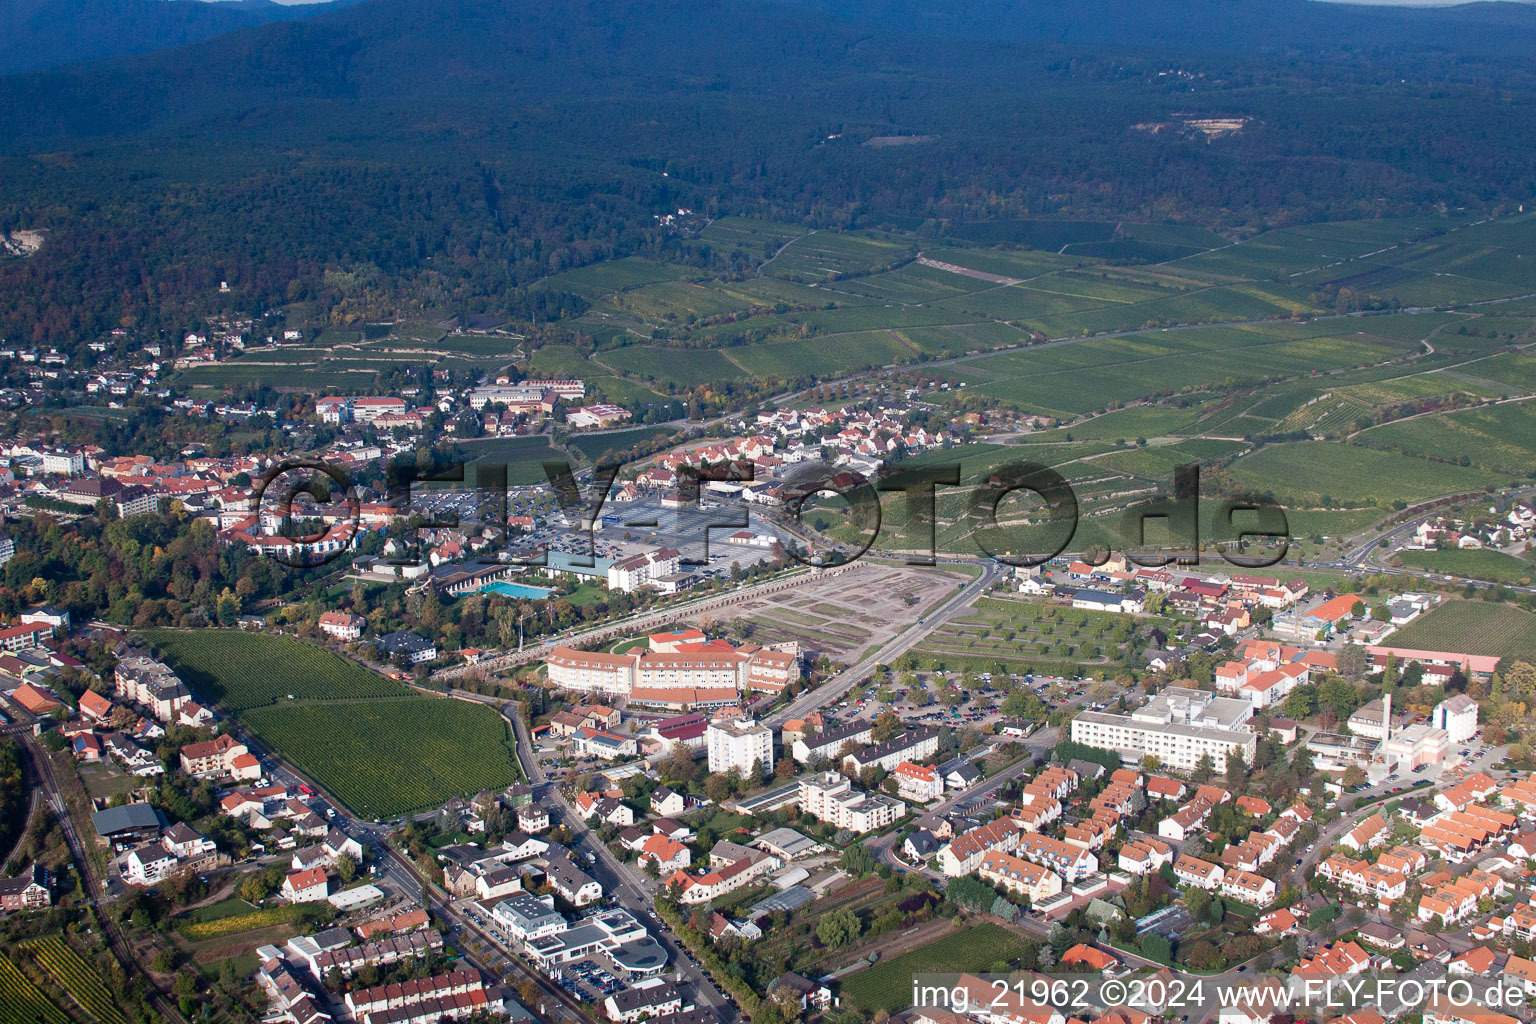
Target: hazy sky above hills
<point>1411,3</point>
<point>1390,3</point>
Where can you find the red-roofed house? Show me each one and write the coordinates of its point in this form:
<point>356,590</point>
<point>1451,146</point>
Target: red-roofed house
<point>342,625</point>
<point>917,782</point>
<point>94,706</point>
<point>669,854</point>
<point>1368,833</point>
<point>1276,922</point>
<point>306,886</point>
<point>1253,805</point>
<point>1159,788</point>
<point>1090,956</point>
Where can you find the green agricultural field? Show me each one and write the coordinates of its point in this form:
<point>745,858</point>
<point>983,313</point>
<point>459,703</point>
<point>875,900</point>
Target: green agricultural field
<point>678,367</point>
<point>1494,566</point>
<point>671,300</point>
<point>1305,473</point>
<point>1123,424</point>
<point>477,345</point>
<point>384,758</point>
<point>1089,375</point>
<point>1517,369</point>
<point>379,746</point>
<point>24,1001</point>
<point>561,361</point>
<point>888,985</point>
<point>824,357</point>
<point>594,446</point>
<point>1472,627</point>
<point>1300,249</point>
<point>524,457</point>
<point>1049,235</point>
<point>1005,262</point>
<point>78,979</point>
<point>612,276</point>
<point>824,254</point>
<point>621,391</point>
<point>1190,235</point>
<point>240,670</point>
<point>1499,438</point>
<point>1332,523</point>
<point>1154,463</point>
<point>749,234</point>
<point>1020,633</point>
<point>350,368</point>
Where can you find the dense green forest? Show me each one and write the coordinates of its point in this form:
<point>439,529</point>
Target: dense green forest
<point>45,33</point>
<point>401,155</point>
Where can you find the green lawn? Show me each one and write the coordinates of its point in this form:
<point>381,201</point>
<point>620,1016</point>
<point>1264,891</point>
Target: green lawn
<point>888,984</point>
<point>232,907</point>
<point>594,447</point>
<point>524,457</point>
<point>1494,566</point>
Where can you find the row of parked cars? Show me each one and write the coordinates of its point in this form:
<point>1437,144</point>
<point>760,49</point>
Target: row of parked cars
<point>595,976</point>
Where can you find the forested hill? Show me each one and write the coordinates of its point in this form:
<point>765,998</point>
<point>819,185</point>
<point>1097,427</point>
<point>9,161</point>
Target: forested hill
<point>1307,27</point>
<point>46,33</point>
<point>448,154</point>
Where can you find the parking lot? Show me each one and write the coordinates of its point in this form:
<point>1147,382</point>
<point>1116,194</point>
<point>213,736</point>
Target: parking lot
<point>844,617</point>
<point>980,704</point>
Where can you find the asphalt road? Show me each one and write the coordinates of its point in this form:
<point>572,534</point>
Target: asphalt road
<point>621,882</point>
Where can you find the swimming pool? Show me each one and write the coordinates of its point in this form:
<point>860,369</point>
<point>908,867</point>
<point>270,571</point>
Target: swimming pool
<point>516,590</point>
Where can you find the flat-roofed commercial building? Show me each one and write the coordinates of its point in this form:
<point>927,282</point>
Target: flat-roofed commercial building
<point>1179,726</point>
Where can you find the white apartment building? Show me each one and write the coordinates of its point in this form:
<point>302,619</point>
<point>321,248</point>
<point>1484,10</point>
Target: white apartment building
<point>919,783</point>
<point>342,625</point>
<point>830,797</point>
<point>1178,727</point>
<point>698,670</point>
<point>630,574</point>
<point>740,743</point>
<point>370,408</point>
<point>526,917</point>
<point>66,463</point>
<point>1417,745</point>
<point>1457,716</point>
<point>1072,863</point>
<point>591,671</point>
<point>828,745</point>
<point>1019,875</point>
<point>916,744</point>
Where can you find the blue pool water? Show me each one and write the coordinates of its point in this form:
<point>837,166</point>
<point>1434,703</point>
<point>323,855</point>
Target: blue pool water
<point>516,590</point>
